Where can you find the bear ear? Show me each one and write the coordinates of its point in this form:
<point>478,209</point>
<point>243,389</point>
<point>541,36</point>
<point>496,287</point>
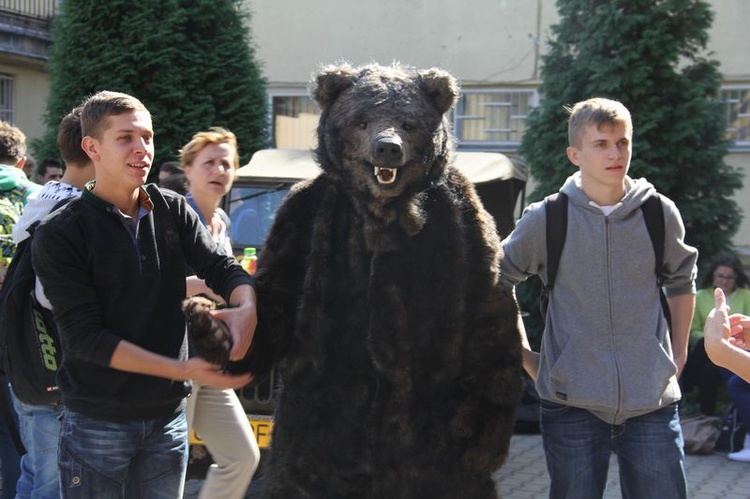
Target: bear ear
<point>441,87</point>
<point>331,81</point>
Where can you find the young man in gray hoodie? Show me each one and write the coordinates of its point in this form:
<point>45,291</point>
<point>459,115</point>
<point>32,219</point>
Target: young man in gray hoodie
<point>607,370</point>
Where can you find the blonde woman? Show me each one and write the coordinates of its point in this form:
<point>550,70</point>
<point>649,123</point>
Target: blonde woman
<point>209,161</point>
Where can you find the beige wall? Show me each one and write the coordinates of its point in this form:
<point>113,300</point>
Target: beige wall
<point>729,38</point>
<point>481,41</point>
<point>742,238</point>
<point>31,92</point>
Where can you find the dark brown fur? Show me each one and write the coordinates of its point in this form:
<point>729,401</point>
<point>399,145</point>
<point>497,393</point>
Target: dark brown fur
<point>209,336</point>
<point>399,354</point>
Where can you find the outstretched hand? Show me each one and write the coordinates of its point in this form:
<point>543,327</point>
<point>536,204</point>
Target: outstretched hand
<point>721,326</point>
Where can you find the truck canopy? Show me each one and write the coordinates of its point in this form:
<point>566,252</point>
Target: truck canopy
<point>261,185</point>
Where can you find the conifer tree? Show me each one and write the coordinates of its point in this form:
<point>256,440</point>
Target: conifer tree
<point>650,55</point>
<point>191,62</point>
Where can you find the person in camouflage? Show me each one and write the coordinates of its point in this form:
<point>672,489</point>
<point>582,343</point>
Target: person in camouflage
<point>15,189</point>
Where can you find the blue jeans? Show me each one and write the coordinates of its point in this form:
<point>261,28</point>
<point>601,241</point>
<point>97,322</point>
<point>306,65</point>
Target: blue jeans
<point>739,391</point>
<point>102,459</point>
<point>9,458</point>
<point>649,451</point>
<point>40,431</point>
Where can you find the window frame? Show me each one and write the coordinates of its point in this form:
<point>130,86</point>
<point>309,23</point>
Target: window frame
<point>497,145</point>
<point>8,113</point>
<point>281,92</point>
<point>734,144</point>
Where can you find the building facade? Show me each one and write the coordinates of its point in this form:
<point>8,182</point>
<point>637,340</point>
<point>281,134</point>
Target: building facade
<point>24,77</point>
<point>492,46</point>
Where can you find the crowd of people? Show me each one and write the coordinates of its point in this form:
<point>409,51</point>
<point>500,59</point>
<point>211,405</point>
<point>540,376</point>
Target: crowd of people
<point>115,284</point>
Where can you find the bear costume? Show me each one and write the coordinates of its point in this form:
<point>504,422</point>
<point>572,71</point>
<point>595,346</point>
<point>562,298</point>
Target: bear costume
<point>378,300</point>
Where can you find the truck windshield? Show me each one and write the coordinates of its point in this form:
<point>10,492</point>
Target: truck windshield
<point>252,210</point>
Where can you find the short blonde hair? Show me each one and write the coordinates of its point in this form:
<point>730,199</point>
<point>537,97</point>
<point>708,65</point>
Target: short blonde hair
<point>214,135</point>
<point>597,111</point>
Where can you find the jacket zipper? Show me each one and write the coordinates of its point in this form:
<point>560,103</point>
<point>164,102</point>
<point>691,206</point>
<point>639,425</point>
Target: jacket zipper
<point>613,340</point>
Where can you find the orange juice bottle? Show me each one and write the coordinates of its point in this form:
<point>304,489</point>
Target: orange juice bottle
<point>249,260</point>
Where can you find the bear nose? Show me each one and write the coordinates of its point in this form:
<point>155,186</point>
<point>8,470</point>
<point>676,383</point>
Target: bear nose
<point>387,150</point>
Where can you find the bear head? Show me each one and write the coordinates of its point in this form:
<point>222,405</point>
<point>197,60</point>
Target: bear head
<point>383,130</point>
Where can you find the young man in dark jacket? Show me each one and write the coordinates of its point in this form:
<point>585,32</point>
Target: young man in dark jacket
<point>112,264</point>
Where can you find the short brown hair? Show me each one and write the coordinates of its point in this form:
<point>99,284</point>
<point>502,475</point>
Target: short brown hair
<point>100,106</point>
<point>214,135</point>
<point>69,136</point>
<point>597,111</point>
<point>12,143</point>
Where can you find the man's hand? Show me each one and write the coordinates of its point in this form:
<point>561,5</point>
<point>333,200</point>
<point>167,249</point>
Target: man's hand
<point>208,374</point>
<point>739,331</point>
<point>717,327</point>
<point>726,338</point>
<point>721,326</point>
<point>241,320</point>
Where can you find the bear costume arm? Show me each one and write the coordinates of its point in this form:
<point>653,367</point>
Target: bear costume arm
<point>279,279</point>
<point>491,381</point>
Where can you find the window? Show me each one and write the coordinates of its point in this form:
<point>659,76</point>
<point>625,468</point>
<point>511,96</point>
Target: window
<point>736,100</point>
<point>6,98</point>
<point>252,211</point>
<point>295,120</point>
<point>494,117</point>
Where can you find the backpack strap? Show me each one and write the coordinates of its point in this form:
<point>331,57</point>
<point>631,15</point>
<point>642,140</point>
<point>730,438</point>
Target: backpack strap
<point>31,228</point>
<point>556,228</point>
<point>653,215</point>
<point>556,207</point>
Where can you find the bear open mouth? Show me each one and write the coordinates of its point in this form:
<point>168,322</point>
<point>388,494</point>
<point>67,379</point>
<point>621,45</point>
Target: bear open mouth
<point>385,175</point>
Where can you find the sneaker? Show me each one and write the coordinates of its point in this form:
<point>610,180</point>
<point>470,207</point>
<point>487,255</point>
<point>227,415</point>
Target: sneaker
<point>743,455</point>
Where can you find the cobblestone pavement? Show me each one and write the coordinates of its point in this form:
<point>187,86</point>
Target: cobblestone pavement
<point>524,475</point>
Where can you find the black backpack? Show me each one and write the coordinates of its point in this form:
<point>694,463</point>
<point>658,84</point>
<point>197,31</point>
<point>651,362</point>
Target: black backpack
<point>732,432</point>
<point>556,209</point>
<point>30,351</point>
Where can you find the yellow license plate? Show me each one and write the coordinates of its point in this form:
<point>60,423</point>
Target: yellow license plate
<point>262,427</point>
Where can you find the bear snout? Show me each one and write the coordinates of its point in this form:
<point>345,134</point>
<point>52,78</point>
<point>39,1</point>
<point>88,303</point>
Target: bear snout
<point>388,151</point>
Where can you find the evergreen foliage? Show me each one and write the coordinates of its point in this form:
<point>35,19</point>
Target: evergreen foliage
<point>650,55</point>
<point>191,62</point>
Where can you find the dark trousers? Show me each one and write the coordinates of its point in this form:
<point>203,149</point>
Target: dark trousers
<point>700,372</point>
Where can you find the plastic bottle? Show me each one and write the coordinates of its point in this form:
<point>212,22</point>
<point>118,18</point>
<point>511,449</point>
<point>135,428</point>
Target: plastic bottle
<point>249,260</point>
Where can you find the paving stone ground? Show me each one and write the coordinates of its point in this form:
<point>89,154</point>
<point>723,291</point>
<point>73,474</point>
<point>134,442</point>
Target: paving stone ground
<point>524,475</point>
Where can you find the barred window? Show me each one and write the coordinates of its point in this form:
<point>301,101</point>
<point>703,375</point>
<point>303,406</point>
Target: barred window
<point>494,117</point>
<point>295,119</point>
<point>736,99</point>
<point>6,98</point>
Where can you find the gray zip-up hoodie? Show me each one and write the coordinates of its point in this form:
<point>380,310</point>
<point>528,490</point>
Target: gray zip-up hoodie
<point>605,346</point>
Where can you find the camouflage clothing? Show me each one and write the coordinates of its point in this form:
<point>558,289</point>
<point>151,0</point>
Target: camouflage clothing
<point>15,189</point>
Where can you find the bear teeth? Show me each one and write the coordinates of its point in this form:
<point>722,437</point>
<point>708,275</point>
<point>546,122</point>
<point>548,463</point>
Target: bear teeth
<point>385,175</point>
